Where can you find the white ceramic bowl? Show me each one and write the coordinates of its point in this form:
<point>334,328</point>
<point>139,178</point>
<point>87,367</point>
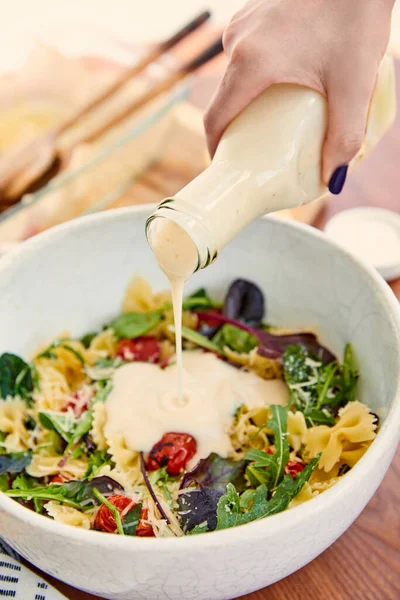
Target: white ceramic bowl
<point>73,277</point>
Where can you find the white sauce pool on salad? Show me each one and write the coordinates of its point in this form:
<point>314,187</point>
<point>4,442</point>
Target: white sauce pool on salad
<point>144,403</point>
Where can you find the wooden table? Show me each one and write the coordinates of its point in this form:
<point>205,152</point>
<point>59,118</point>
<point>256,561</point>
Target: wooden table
<point>364,564</point>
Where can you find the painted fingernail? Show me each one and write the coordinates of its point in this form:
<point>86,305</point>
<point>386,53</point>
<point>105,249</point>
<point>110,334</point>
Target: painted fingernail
<point>338,180</point>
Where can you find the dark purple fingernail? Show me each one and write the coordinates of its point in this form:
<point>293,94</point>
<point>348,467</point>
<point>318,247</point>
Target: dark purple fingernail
<point>338,180</point>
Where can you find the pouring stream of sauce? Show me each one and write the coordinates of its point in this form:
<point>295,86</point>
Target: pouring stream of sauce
<point>176,254</point>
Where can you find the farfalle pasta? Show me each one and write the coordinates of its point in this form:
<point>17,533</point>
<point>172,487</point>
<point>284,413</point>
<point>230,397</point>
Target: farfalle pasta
<point>346,441</point>
<point>290,434</point>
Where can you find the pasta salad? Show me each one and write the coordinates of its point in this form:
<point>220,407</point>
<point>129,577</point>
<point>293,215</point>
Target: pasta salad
<point>57,459</point>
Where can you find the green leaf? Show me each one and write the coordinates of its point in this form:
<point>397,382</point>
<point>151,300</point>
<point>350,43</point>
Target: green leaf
<point>115,512</point>
<point>198,299</point>
<point>97,459</point>
<point>317,389</point>
<point>79,494</point>
<point>230,506</point>
<point>246,499</point>
<point>109,363</point>
<point>60,343</point>
<point>15,377</point>
<point>87,339</point>
<point>160,475</point>
<point>196,338</point>
<point>278,424</point>
<point>236,339</point>
<point>62,423</point>
<point>132,325</point>
<point>319,417</point>
<point>268,469</point>
<point>259,476</point>
<point>131,520</point>
<point>15,462</point>
<point>84,425</point>
<point>228,509</point>
<point>200,528</point>
<point>4,482</point>
<point>25,482</point>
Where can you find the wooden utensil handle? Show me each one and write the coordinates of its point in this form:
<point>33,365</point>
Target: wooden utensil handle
<point>133,71</point>
<point>163,86</point>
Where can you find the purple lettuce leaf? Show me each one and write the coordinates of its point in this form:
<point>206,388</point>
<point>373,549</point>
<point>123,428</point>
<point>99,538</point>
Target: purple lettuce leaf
<point>216,472</point>
<point>244,301</point>
<point>199,505</point>
<point>273,346</point>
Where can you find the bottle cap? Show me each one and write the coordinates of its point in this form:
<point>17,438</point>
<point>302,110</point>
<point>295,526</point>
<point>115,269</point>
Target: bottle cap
<point>372,234</point>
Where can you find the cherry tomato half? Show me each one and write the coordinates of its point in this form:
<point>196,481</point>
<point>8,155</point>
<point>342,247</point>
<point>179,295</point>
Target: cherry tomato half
<point>143,349</point>
<point>105,520</point>
<point>173,451</point>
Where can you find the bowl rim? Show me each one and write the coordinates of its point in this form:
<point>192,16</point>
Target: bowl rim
<point>268,527</point>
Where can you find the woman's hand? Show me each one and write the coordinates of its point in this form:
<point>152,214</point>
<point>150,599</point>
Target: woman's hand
<point>332,46</point>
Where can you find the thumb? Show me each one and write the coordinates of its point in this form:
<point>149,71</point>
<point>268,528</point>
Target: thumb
<point>348,104</point>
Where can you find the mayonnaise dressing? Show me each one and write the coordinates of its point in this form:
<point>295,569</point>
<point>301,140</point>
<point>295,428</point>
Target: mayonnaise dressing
<point>176,254</point>
<point>144,403</point>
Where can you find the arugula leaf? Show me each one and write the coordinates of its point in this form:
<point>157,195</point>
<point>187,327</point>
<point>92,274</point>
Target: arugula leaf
<point>259,476</point>
<point>278,424</point>
<point>318,389</point>
<point>15,377</point>
<point>236,339</point>
<point>60,343</point>
<point>229,510</point>
<point>215,472</point>
<point>4,482</point>
<point>63,424</point>
<point>113,510</point>
<point>97,459</point>
<point>132,325</point>
<point>268,469</point>
<point>131,520</point>
<point>14,463</point>
<point>196,338</point>
<point>199,506</point>
<point>349,378</point>
<point>78,494</point>
<point>200,528</point>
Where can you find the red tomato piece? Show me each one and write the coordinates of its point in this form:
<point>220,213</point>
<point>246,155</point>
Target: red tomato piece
<point>173,451</point>
<point>209,320</point>
<point>293,467</point>
<point>142,349</point>
<point>60,478</point>
<point>105,520</point>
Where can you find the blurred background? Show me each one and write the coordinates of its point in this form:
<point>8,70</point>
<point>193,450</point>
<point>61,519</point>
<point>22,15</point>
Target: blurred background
<point>56,56</point>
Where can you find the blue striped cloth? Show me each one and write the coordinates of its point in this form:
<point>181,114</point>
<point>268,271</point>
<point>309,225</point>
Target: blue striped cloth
<point>18,582</point>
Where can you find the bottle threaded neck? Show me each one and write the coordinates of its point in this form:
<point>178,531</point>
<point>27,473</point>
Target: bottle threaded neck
<point>192,221</point>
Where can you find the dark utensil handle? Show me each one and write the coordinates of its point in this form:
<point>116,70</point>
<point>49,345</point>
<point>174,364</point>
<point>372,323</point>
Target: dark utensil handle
<point>207,55</point>
<point>185,31</point>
